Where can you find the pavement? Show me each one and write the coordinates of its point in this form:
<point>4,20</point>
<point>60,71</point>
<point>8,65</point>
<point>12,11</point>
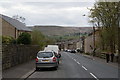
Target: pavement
<point>71,66</point>
<point>19,71</point>
<point>100,59</point>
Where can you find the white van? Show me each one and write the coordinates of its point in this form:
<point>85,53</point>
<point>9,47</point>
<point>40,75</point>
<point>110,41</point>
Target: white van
<point>54,48</point>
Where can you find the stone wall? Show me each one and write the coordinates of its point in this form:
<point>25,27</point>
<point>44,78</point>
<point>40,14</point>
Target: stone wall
<point>13,55</point>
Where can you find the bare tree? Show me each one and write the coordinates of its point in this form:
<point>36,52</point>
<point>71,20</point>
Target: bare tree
<point>19,18</point>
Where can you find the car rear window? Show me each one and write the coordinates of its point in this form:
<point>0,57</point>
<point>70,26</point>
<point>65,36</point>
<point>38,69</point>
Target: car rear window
<point>45,54</point>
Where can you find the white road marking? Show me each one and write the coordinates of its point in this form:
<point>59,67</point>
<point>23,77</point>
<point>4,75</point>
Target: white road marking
<point>84,68</point>
<point>78,62</point>
<point>74,59</point>
<point>69,55</point>
<point>94,76</point>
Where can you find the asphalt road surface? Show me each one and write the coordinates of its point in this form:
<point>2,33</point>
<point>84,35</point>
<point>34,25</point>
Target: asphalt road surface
<point>77,66</point>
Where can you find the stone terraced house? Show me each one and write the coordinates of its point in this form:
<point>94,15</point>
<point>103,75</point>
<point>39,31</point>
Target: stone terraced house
<point>12,27</point>
<point>89,42</point>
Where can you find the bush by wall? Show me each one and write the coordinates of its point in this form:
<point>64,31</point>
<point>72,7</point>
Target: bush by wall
<point>8,40</point>
<point>24,38</point>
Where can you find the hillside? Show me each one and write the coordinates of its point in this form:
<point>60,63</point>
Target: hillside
<point>58,30</point>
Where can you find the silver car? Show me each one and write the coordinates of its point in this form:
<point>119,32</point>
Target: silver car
<point>47,60</point>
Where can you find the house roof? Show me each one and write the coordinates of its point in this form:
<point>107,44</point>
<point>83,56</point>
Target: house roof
<point>17,24</point>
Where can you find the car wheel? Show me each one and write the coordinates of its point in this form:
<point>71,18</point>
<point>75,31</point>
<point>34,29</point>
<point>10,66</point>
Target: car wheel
<point>59,55</point>
<point>37,69</point>
<point>56,67</point>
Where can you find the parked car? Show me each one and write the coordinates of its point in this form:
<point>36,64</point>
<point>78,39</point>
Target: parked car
<point>73,51</point>
<point>67,50</point>
<point>47,60</point>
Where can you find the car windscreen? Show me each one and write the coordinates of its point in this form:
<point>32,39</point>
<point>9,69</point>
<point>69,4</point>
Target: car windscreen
<point>45,54</point>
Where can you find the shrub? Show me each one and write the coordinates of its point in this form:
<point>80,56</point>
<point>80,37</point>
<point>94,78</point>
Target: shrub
<point>87,53</point>
<point>24,38</point>
<point>0,40</point>
<point>8,40</point>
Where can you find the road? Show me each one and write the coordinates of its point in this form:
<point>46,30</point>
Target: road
<point>77,66</point>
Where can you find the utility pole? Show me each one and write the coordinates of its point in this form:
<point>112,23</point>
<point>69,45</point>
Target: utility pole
<point>119,32</point>
<point>83,45</point>
<point>118,28</point>
<point>93,40</point>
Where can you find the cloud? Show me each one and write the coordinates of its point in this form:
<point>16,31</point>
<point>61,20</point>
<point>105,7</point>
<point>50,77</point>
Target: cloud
<point>49,13</point>
<point>48,1</point>
<point>58,1</point>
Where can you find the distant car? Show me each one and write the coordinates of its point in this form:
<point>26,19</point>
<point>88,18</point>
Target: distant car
<point>73,51</point>
<point>47,60</point>
<point>78,50</point>
<point>68,50</point>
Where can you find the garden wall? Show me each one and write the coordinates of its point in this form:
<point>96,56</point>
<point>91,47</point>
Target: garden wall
<point>13,55</point>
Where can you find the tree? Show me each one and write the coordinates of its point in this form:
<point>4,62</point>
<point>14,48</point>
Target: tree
<point>24,38</point>
<point>39,39</point>
<point>19,18</point>
<point>105,15</point>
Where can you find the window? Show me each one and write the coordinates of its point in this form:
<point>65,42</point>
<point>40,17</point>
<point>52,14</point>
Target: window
<point>45,54</point>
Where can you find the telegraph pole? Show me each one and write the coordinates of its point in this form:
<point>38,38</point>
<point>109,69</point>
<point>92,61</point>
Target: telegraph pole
<point>118,28</point>
<point>119,38</point>
<point>93,40</point>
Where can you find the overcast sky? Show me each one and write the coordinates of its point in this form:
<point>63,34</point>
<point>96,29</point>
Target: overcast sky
<point>69,13</point>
